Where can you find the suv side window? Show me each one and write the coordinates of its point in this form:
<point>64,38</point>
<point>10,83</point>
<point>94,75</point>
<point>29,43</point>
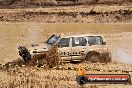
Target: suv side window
<point>64,42</point>
<point>78,41</point>
<point>95,40</point>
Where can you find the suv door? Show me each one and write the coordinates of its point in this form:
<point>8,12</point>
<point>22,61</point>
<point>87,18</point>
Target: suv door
<point>65,49</point>
<point>78,48</point>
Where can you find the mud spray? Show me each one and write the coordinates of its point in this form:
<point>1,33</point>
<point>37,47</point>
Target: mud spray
<point>122,52</point>
<point>34,33</point>
<point>123,56</point>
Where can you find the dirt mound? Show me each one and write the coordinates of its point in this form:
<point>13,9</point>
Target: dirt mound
<point>44,3</point>
<point>55,17</point>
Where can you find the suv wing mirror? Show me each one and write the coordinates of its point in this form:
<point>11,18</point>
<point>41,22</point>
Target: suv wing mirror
<point>59,46</point>
<point>104,43</point>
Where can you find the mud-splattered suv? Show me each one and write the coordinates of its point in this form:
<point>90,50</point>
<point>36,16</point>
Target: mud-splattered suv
<point>93,48</point>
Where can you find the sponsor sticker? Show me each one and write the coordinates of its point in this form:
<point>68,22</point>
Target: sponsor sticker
<point>104,78</point>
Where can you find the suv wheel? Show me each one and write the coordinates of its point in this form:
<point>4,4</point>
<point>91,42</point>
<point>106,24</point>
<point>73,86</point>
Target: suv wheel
<point>105,58</point>
<point>93,57</point>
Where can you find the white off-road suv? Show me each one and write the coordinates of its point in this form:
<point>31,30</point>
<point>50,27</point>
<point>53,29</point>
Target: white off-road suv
<point>91,47</point>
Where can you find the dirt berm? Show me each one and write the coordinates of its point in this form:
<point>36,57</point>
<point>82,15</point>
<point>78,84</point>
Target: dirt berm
<point>91,16</point>
<point>44,3</point>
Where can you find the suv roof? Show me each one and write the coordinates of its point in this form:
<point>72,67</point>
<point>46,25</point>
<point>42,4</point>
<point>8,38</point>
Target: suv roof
<point>78,35</point>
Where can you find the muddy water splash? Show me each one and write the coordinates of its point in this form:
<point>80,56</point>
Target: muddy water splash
<point>123,56</point>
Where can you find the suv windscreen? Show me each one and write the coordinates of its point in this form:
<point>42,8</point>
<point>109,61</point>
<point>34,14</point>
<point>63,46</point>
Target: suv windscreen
<point>78,41</point>
<point>52,40</point>
<point>64,42</point>
<point>95,40</point>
